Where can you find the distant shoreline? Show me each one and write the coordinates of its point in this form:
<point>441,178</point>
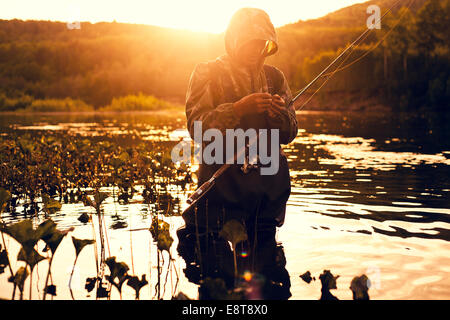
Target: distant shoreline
<point>24,112</point>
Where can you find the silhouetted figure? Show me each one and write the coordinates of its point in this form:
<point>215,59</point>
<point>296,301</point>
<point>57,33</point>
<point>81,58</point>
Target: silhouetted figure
<point>238,91</point>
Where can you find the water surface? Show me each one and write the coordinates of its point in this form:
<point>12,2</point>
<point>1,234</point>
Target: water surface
<point>370,194</point>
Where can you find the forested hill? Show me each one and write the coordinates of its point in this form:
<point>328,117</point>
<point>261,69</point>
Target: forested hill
<point>103,61</point>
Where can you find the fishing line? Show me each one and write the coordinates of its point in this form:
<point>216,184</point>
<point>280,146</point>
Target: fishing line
<point>325,82</point>
<point>350,48</point>
<point>376,45</point>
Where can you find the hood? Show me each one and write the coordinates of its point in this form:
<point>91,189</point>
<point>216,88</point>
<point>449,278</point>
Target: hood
<point>249,24</point>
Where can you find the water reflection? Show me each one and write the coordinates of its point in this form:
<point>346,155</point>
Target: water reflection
<point>261,264</point>
<point>369,192</point>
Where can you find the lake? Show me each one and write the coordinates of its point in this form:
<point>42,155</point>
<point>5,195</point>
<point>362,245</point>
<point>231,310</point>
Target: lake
<point>370,195</point>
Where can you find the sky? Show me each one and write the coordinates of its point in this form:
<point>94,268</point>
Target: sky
<point>197,15</point>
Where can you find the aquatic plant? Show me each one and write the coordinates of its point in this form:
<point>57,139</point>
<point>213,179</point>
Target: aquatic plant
<point>5,196</point>
<point>50,205</point>
<point>24,233</point>
<point>360,287</point>
<point>52,238</point>
<point>119,271</point>
<point>161,234</point>
<point>234,232</point>
<point>4,261</point>
<point>137,284</point>
<point>62,167</point>
<point>18,279</point>
<point>79,244</point>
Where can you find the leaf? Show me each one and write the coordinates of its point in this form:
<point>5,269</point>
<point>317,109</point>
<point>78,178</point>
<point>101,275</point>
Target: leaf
<point>102,291</point>
<point>31,257</point>
<point>137,284</point>
<point>234,232</point>
<point>118,270</point>
<point>328,280</point>
<point>99,197</point>
<point>50,205</point>
<point>52,236</point>
<point>19,278</point>
<point>79,244</point>
<point>157,227</point>
<point>90,284</point>
<point>164,241</point>
<point>307,277</point>
<point>5,195</point>
<point>119,225</point>
<point>160,231</point>
<point>4,261</point>
<point>83,218</point>
<point>24,233</point>
<point>360,288</point>
<point>51,289</point>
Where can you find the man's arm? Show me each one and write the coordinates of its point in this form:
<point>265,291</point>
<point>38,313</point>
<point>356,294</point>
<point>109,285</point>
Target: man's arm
<point>282,115</point>
<point>200,104</point>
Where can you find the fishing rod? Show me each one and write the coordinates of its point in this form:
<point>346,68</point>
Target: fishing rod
<point>205,187</point>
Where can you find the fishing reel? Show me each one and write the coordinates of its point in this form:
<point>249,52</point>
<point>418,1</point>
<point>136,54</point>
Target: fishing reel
<point>249,166</point>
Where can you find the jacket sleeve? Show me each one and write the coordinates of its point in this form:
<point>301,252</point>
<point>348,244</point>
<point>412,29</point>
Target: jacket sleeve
<point>286,120</point>
<point>200,104</point>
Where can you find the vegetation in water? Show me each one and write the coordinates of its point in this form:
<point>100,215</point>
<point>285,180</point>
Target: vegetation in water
<point>39,173</point>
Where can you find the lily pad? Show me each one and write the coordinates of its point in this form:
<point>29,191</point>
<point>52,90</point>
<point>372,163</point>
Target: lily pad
<point>234,232</point>
<point>137,284</point>
<point>50,289</point>
<point>52,236</point>
<point>328,281</point>
<point>24,233</point>
<point>158,226</point>
<point>360,288</point>
<point>118,270</point>
<point>31,257</point>
<point>307,277</point>
<point>50,205</point>
<point>79,244</point>
<point>160,231</point>
<point>99,197</point>
<point>19,278</point>
<point>83,218</point>
<point>90,284</point>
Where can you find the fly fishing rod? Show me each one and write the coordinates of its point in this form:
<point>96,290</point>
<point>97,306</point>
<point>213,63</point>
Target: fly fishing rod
<point>205,187</point>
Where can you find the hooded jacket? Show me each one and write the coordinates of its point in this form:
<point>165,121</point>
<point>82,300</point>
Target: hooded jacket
<point>213,88</point>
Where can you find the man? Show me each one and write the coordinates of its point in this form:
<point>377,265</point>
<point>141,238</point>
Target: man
<point>238,91</point>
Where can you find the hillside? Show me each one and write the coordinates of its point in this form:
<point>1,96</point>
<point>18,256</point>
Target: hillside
<point>102,61</point>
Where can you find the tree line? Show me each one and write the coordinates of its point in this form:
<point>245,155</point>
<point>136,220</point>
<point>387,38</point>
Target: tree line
<point>105,61</point>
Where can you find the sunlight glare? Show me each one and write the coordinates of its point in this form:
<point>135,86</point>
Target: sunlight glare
<point>196,15</point>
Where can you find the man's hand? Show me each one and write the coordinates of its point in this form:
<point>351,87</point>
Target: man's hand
<point>278,105</point>
<point>253,103</point>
